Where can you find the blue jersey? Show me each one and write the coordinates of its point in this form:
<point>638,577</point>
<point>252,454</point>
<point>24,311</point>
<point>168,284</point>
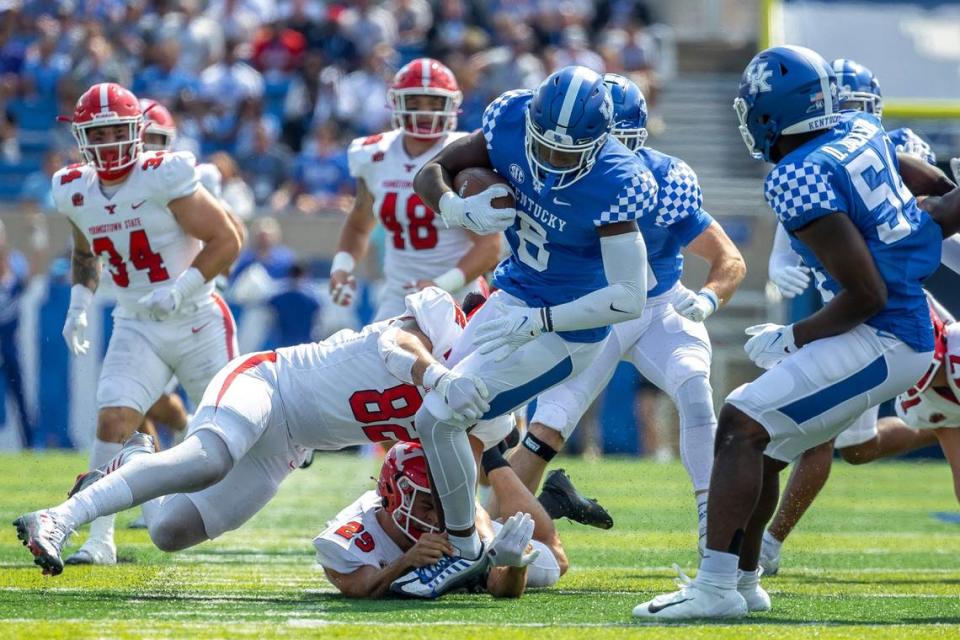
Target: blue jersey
<point>677,219</point>
<point>906,141</point>
<point>852,169</point>
<point>554,243</point>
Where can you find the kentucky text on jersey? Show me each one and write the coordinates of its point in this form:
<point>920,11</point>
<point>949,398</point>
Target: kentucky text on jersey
<point>852,169</point>
<point>554,245</point>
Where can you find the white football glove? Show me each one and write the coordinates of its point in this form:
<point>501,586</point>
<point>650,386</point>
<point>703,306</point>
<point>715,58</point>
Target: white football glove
<point>163,302</point>
<point>465,395</point>
<point>476,212</point>
<point>509,547</point>
<point>342,293</point>
<point>75,325</point>
<point>955,169</point>
<point>508,329</point>
<point>770,344</point>
<point>790,279</point>
<point>697,306</point>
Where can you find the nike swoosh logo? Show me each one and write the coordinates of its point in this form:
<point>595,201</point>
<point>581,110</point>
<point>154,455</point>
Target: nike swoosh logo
<point>200,328</point>
<point>613,308</point>
<point>652,608</point>
<point>137,206</point>
<point>560,202</point>
<point>522,322</point>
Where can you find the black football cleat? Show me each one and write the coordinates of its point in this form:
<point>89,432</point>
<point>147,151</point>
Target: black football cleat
<point>562,500</point>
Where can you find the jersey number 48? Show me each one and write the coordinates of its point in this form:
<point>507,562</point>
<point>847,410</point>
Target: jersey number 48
<point>420,233</point>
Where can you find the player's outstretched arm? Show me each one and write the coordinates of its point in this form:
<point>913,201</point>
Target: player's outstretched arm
<point>727,271</point>
<point>923,178</point>
<point>843,252</point>
<point>370,582</point>
<point>354,238</point>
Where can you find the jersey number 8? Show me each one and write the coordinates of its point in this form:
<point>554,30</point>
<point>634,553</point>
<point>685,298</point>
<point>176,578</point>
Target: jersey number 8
<point>533,239</point>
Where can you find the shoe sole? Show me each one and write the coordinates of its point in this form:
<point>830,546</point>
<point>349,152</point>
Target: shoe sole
<point>51,565</point>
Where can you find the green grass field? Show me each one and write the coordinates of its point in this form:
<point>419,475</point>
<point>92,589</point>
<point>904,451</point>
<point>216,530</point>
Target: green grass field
<point>869,561</point>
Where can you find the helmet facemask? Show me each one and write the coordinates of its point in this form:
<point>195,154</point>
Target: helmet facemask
<point>412,526</point>
<point>424,123</point>
<point>571,159</point>
<point>861,101</point>
<point>113,156</point>
<point>742,110</point>
<point>633,138</point>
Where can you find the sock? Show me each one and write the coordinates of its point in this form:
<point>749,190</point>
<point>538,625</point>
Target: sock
<point>718,569</point>
<point>701,521</point>
<point>772,542</point>
<point>748,579</point>
<point>468,546</point>
<point>100,454</point>
<point>107,496</point>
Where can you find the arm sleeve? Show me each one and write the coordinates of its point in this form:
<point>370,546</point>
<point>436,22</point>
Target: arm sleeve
<point>801,192</point>
<point>625,266</point>
<point>782,254</point>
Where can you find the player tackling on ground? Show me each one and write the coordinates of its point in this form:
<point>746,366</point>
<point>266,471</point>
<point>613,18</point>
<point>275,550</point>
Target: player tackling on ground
<point>837,191</point>
<point>420,250</point>
<point>163,239</point>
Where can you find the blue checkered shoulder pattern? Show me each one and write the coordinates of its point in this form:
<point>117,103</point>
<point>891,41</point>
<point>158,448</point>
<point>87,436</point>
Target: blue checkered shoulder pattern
<point>492,113</point>
<point>797,188</point>
<point>637,198</point>
<point>680,195</point>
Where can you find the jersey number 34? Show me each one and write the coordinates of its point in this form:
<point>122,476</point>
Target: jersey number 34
<point>142,257</point>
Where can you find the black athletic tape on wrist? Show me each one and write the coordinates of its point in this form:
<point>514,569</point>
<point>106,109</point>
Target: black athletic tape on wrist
<point>492,460</point>
<point>538,447</point>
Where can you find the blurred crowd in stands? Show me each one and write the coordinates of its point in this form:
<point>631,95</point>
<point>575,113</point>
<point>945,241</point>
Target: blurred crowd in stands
<point>273,91</point>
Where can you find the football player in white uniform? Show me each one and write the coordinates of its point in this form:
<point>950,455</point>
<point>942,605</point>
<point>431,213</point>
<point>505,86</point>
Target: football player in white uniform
<point>260,416</point>
<point>420,250</point>
<point>159,133</point>
<point>164,239</point>
<point>668,344</point>
<point>387,532</point>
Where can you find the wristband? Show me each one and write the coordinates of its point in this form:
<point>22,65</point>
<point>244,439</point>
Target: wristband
<point>190,281</point>
<point>433,374</point>
<point>343,261</point>
<point>452,280</point>
<point>710,295</point>
<point>80,297</point>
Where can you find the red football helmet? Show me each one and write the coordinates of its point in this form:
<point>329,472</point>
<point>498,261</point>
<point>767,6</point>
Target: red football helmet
<point>157,121</point>
<point>402,476</point>
<point>108,105</point>
<point>425,77</point>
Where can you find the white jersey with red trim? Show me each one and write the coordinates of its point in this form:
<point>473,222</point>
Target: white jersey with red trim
<point>925,406</point>
<point>355,539</point>
<point>338,393</point>
<point>133,231</point>
<point>418,245</point>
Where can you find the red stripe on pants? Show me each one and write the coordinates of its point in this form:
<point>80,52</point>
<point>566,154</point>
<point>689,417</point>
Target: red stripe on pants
<point>251,362</point>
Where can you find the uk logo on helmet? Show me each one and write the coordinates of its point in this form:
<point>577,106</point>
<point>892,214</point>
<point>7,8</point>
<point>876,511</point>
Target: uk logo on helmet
<point>757,76</point>
<point>517,173</point>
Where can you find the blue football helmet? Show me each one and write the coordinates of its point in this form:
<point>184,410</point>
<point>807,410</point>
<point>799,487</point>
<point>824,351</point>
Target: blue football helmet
<point>629,111</point>
<point>784,91</point>
<point>567,122</point>
<point>857,87</point>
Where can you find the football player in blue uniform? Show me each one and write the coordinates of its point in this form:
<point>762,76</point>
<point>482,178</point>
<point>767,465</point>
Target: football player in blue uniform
<point>577,265</point>
<point>867,438</point>
<point>668,344</point>
<point>837,190</point>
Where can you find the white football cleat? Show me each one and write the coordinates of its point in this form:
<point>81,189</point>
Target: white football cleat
<point>748,584</point>
<point>44,534</point>
<point>451,572</point>
<point>692,601</point>
<point>95,551</point>
<point>770,554</point>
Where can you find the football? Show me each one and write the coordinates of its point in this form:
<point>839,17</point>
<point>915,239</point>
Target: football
<point>472,181</point>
